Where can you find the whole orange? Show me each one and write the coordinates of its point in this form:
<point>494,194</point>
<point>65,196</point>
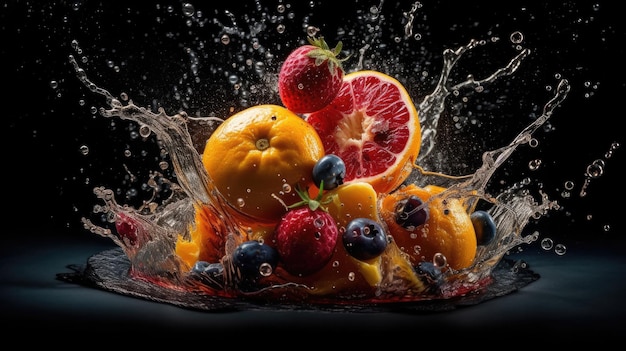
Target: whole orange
<point>257,157</point>
<point>448,230</point>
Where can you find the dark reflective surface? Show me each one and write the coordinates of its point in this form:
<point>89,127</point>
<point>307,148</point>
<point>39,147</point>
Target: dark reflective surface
<point>579,296</point>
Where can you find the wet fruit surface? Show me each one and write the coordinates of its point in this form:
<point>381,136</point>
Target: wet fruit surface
<point>258,156</point>
<point>374,127</point>
<point>447,234</point>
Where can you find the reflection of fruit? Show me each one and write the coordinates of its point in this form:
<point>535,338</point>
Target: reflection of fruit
<point>448,229</point>
<point>258,156</point>
<point>305,237</point>
<point>310,77</point>
<point>374,127</point>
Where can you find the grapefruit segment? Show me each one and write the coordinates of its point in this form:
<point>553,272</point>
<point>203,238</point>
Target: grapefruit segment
<point>374,127</point>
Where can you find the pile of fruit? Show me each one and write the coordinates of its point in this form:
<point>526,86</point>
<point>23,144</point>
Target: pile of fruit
<point>317,187</point>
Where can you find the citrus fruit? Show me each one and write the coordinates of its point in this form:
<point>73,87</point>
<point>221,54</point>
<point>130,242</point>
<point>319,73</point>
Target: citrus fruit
<point>350,201</point>
<point>374,127</point>
<point>257,157</point>
<point>347,276</point>
<point>204,242</point>
<point>447,228</point>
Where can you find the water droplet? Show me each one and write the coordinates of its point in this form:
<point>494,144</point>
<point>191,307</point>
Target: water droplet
<point>144,131</point>
<point>417,249</point>
<point>84,150</point>
<point>440,260</point>
<point>517,37</point>
<point>595,169</point>
<point>286,188</point>
<point>547,244</point>
<point>233,79</point>
<point>188,9</point>
<point>265,269</point>
<point>241,202</point>
<point>225,39</point>
<point>318,223</point>
<point>351,276</point>
<point>560,249</point>
<point>312,31</point>
<point>534,165</point>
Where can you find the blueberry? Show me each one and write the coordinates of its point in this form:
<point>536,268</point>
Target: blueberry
<point>430,274</point>
<point>211,274</point>
<point>208,268</point>
<point>484,226</point>
<point>252,259</point>
<point>331,170</point>
<point>364,238</point>
<point>410,213</point>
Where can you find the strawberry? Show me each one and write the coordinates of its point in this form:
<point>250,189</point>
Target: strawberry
<point>311,76</point>
<point>305,236</point>
<point>127,228</point>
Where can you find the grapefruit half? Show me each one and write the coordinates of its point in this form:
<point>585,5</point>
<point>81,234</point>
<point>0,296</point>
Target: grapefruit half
<point>374,127</point>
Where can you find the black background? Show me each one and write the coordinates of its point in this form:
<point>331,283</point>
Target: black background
<point>45,187</point>
<point>48,182</point>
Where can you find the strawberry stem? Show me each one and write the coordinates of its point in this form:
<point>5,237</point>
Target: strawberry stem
<point>313,204</point>
<point>323,53</point>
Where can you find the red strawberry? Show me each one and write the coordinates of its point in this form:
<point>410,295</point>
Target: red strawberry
<point>306,236</point>
<point>310,77</point>
<point>127,229</point>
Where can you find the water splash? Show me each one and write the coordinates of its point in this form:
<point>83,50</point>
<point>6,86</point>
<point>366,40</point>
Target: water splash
<point>150,244</point>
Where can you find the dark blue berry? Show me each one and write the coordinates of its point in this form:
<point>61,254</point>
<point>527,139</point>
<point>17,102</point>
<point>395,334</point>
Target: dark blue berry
<point>430,274</point>
<point>411,213</point>
<point>364,239</point>
<point>484,227</point>
<point>251,257</point>
<point>208,268</point>
<point>331,170</point>
<point>211,274</point>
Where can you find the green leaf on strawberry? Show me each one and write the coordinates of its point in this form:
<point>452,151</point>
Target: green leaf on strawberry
<point>313,204</point>
<point>306,236</point>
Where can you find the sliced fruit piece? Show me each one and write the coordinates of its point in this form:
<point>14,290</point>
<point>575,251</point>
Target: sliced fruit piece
<point>373,126</point>
<point>448,229</point>
<point>350,201</point>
